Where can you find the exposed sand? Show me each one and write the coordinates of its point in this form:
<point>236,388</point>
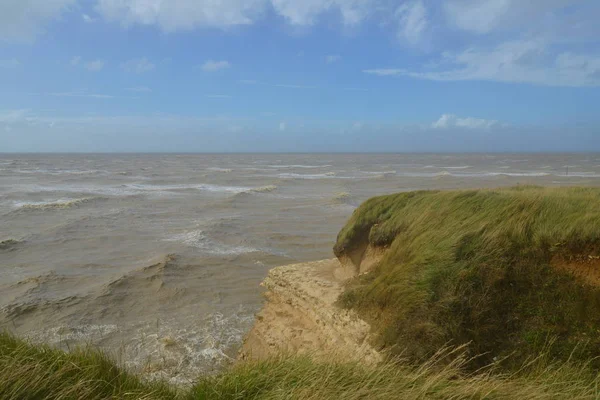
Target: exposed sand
<point>300,316</point>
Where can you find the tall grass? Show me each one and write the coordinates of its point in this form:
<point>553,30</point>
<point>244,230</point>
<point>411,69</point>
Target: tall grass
<point>38,372</point>
<point>481,267</point>
<point>41,372</point>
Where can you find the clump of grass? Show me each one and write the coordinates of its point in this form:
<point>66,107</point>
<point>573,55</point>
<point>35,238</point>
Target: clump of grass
<point>40,372</point>
<point>304,378</point>
<point>481,267</point>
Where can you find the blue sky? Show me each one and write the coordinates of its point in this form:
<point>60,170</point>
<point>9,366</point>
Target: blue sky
<point>290,75</point>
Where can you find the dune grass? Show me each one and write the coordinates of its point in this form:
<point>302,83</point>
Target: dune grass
<point>506,270</point>
<point>39,372</point>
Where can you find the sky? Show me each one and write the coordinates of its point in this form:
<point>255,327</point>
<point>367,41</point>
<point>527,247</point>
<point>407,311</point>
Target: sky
<point>299,75</point>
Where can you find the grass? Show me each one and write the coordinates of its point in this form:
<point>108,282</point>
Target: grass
<point>39,372</point>
<point>506,270</point>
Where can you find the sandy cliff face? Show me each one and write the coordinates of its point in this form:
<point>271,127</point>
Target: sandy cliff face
<point>300,316</point>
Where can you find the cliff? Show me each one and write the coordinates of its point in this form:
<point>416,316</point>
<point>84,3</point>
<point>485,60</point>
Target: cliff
<point>300,316</point>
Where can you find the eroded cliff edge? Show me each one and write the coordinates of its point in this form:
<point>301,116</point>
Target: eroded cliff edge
<point>300,316</point>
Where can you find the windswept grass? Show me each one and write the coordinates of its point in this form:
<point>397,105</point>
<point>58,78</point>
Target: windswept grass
<point>506,270</point>
<point>41,372</point>
<point>304,378</point>
<point>38,372</point>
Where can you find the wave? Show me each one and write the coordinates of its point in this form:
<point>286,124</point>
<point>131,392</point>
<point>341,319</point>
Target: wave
<point>390,172</point>
<point>200,240</point>
<point>448,167</point>
<point>327,175</point>
<point>52,204</point>
<point>9,244</point>
<point>179,353</point>
<point>61,171</point>
<point>379,174</point>
<point>217,169</point>
<point>581,175</point>
<point>134,189</point>
<point>474,174</point>
<point>264,189</point>
<point>72,333</point>
<point>301,166</point>
<point>341,196</point>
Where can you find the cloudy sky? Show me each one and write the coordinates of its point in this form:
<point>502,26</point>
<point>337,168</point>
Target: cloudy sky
<point>299,75</point>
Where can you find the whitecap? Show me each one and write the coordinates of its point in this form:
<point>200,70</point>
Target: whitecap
<point>328,175</point>
<point>301,166</point>
<point>50,204</point>
<point>448,167</point>
<point>200,240</point>
<point>217,169</point>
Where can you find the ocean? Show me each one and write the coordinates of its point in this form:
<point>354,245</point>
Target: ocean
<point>157,258</point>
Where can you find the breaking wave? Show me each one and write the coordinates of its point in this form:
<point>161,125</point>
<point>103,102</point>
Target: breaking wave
<point>136,189</point>
<point>301,166</point>
<point>327,175</point>
<point>217,169</point>
<point>52,204</point>
<point>264,189</point>
<point>200,240</point>
<point>9,244</point>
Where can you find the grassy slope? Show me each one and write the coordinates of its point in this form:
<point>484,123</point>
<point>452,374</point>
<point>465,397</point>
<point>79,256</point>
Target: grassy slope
<point>38,372</point>
<point>475,266</point>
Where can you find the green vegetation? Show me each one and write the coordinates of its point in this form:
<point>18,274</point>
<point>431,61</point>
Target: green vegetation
<point>38,372</point>
<point>512,272</point>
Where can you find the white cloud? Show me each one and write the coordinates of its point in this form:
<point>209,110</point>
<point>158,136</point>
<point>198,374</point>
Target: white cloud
<point>10,63</point>
<point>80,94</point>
<point>173,15</point>
<point>138,65</point>
<point>306,12</point>
<point>139,89</point>
<point>385,71</point>
<point>518,62</point>
<point>452,121</point>
<point>248,81</point>
<point>11,116</point>
<point>294,86</point>
<point>212,66</point>
<point>282,126</point>
<point>412,21</point>
<point>86,18</point>
<point>479,16</point>
<point>485,16</point>
<point>94,66</point>
<point>332,58</point>
<point>23,20</point>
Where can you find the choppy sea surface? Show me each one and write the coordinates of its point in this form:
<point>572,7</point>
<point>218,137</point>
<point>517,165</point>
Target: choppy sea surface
<point>157,258</point>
